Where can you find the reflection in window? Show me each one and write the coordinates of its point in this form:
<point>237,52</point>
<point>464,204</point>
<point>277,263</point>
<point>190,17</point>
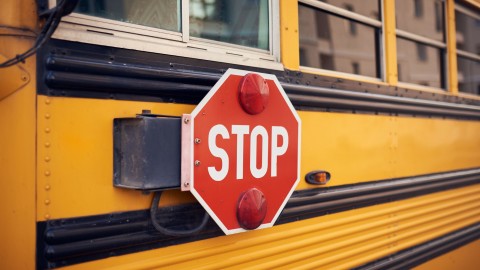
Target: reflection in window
<point>468,51</point>
<point>324,31</point>
<point>418,8</point>
<point>368,8</point>
<point>468,32</point>
<point>163,14</point>
<point>355,68</point>
<point>438,16</point>
<point>468,75</point>
<point>337,50</point>
<point>352,24</point>
<point>326,61</point>
<point>426,72</point>
<point>241,22</point>
<point>430,25</point>
<point>421,52</point>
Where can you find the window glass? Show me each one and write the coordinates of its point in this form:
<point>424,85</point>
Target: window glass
<point>421,17</point>
<point>419,63</point>
<point>368,8</point>
<point>468,33</point>
<point>468,75</point>
<point>331,42</point>
<point>163,14</point>
<point>241,22</point>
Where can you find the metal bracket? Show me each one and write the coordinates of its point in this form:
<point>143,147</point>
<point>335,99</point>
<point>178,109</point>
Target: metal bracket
<point>186,165</point>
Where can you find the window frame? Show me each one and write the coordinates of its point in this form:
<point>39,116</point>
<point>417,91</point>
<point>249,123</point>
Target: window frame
<point>378,25</point>
<point>462,53</point>
<point>101,31</point>
<point>430,42</point>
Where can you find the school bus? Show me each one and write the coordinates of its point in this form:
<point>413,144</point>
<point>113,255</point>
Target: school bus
<point>388,92</point>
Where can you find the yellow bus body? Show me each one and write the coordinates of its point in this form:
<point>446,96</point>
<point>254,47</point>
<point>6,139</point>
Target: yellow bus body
<point>57,163</point>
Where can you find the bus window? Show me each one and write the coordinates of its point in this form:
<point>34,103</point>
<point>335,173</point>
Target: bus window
<point>421,17</point>
<point>341,36</point>
<point>467,23</point>
<point>239,22</point>
<point>421,46</point>
<point>158,14</point>
<point>419,63</point>
<point>239,32</point>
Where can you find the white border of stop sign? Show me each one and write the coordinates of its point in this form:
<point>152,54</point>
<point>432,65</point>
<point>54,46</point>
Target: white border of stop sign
<point>188,163</point>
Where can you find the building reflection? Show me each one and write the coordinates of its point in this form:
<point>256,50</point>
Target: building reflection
<point>334,43</point>
<point>468,40</point>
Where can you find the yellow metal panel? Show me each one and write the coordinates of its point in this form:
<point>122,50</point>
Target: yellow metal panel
<point>17,179</point>
<point>75,146</point>
<point>353,148</point>
<point>17,139</point>
<point>289,38</point>
<point>17,152</point>
<point>75,157</point>
<point>337,241</point>
<point>19,13</point>
<point>464,258</point>
<point>426,146</point>
<point>390,41</point>
<point>13,78</point>
<point>451,48</point>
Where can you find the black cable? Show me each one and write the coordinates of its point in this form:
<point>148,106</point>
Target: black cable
<point>50,26</point>
<point>158,227</point>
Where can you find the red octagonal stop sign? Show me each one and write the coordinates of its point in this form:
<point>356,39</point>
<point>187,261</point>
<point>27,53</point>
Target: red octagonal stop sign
<point>241,151</point>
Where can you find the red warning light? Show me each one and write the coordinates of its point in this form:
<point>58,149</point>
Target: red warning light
<point>251,209</point>
<point>253,93</point>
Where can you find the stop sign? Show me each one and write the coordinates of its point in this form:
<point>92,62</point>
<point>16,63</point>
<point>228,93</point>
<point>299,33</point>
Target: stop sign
<point>241,151</point>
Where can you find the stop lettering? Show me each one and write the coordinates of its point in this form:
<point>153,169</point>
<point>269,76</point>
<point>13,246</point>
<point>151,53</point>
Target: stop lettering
<point>241,151</point>
<point>242,132</point>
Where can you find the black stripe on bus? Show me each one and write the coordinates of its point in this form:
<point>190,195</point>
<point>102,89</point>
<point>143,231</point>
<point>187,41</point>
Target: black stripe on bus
<point>414,256</point>
<point>70,241</point>
<point>83,70</point>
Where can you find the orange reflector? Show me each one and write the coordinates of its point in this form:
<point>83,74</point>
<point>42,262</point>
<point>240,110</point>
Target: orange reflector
<point>318,177</point>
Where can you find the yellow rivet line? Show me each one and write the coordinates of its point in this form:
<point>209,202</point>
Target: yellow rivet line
<point>47,159</point>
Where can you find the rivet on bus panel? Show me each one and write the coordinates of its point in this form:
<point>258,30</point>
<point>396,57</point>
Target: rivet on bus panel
<point>47,173</point>
<point>47,116</point>
<point>47,144</point>
<point>47,202</point>
<point>47,101</point>
<point>47,187</point>
<point>47,159</point>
